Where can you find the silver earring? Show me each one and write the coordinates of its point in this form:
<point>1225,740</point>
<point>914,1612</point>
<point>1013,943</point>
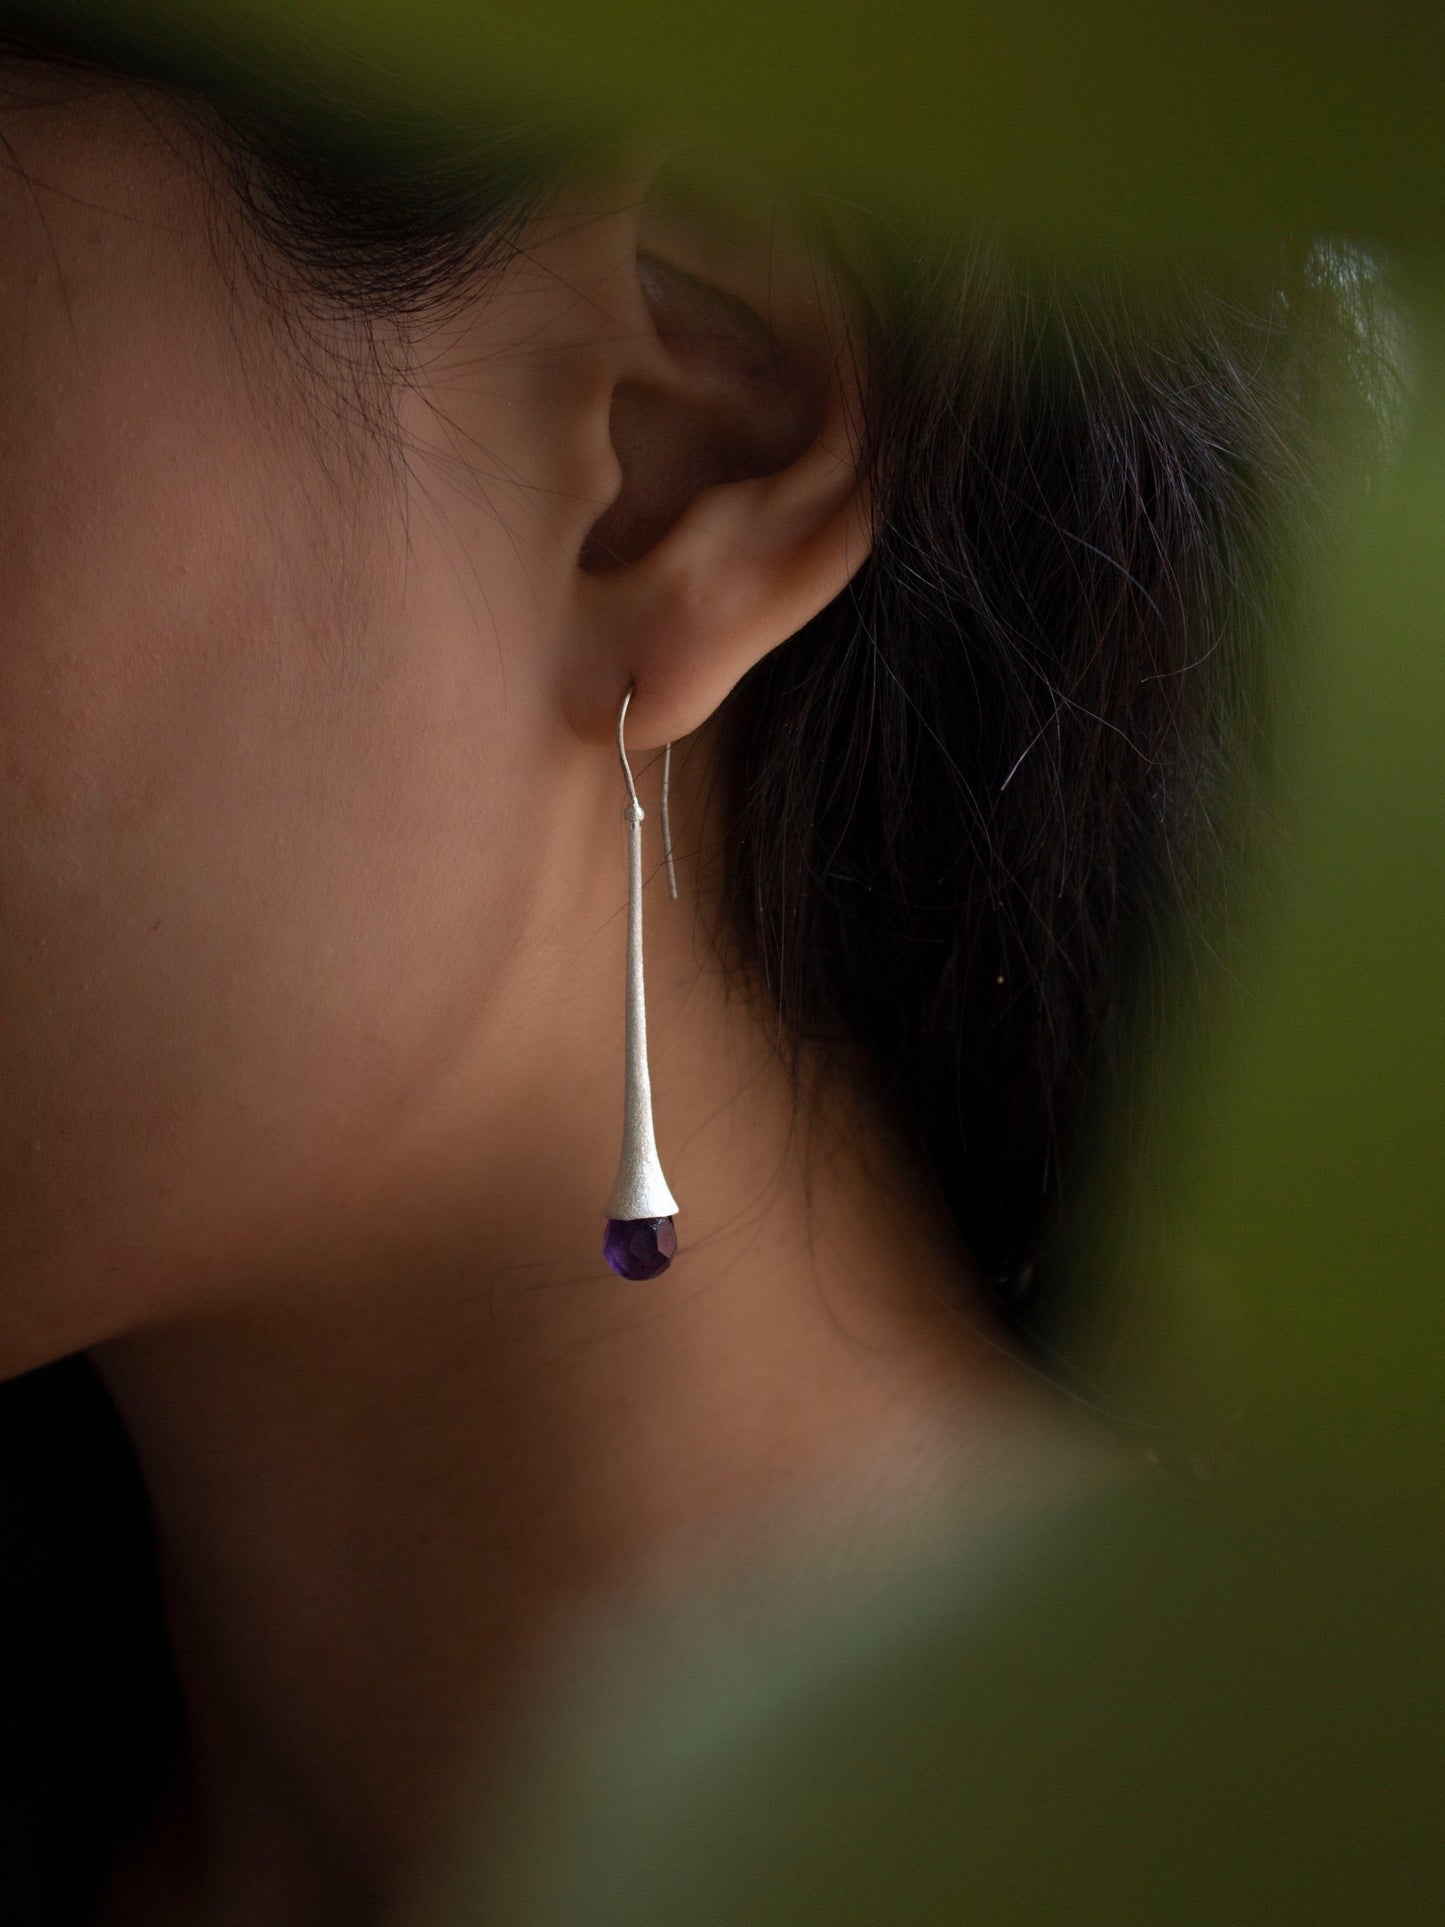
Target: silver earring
<point>640,1241</point>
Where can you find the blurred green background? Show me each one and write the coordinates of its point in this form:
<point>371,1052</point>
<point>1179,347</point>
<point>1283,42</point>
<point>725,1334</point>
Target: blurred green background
<point>1217,1708</point>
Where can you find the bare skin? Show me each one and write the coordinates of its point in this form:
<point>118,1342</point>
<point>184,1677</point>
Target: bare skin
<point>311,885</point>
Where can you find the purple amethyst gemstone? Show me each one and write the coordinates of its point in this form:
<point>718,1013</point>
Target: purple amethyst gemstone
<point>639,1247</point>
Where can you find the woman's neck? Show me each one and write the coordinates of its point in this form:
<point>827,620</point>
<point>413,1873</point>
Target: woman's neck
<point>387,1475</point>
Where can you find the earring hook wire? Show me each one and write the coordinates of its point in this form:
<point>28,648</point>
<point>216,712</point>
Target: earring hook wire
<point>632,796</point>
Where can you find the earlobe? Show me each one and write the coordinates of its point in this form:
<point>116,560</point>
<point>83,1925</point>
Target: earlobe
<point>741,510</point>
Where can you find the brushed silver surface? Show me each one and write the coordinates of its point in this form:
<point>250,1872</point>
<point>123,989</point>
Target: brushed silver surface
<point>640,1191</point>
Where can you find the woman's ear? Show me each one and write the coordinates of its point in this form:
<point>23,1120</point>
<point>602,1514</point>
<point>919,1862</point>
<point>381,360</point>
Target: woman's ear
<point>734,402</point>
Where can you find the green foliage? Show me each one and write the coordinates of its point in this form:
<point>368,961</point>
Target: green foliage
<point>1128,1715</point>
<point>1119,119</point>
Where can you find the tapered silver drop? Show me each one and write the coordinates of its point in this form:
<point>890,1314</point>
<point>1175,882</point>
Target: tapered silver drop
<point>641,1191</point>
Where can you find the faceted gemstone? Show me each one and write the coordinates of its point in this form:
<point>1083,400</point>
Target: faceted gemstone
<point>639,1247</point>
